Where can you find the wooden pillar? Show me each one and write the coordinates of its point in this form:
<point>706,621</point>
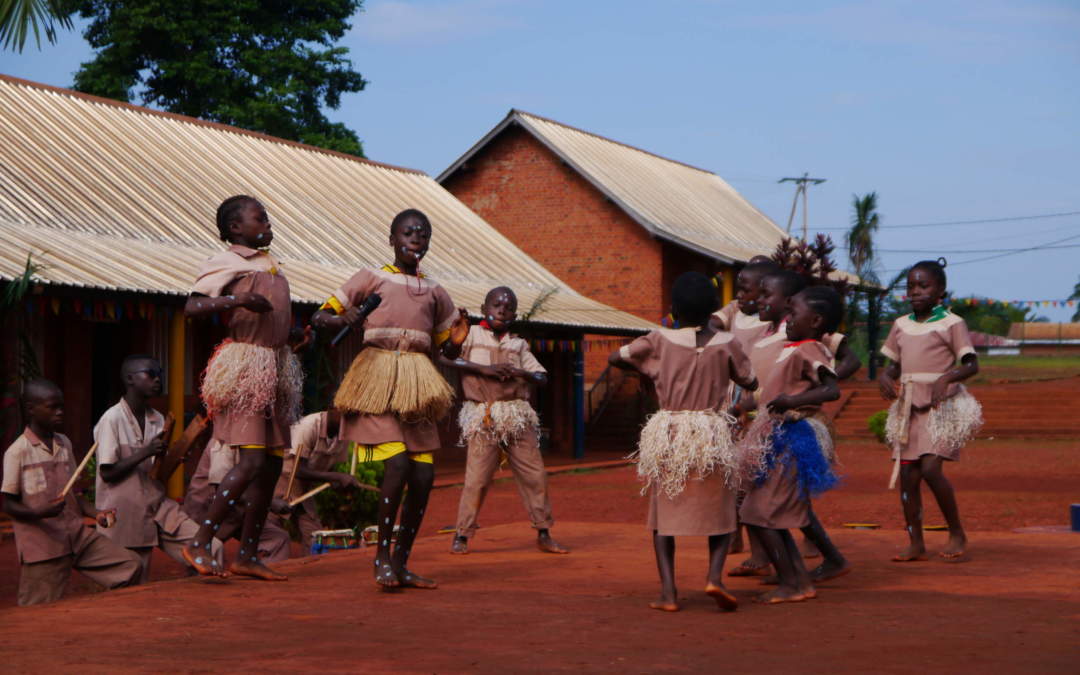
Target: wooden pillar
<point>729,285</point>
<point>177,373</point>
<point>579,404</point>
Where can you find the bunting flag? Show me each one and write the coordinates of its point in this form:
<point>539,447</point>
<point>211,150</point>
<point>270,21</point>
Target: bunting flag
<point>97,310</point>
<point>1019,304</point>
<point>540,346</point>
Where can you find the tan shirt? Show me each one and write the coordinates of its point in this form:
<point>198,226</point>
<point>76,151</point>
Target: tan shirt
<point>140,501</point>
<point>930,347</point>
<point>747,328</point>
<point>246,270</point>
<point>688,377</point>
<point>797,369</point>
<point>485,348</point>
<point>36,474</point>
<point>312,442</point>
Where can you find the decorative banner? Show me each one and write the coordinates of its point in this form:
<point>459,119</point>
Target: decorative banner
<point>539,346</point>
<point>96,310</point>
<point>1008,303</point>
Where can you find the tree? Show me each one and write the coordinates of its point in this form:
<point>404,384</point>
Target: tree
<point>19,17</point>
<point>860,238</point>
<point>263,65</point>
<point>1075,296</point>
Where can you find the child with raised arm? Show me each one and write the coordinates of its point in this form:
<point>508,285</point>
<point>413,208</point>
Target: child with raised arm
<point>933,415</point>
<point>392,395</point>
<point>49,532</point>
<point>686,455</point>
<point>741,315</point>
<point>788,446</point>
<point>496,418</point>
<point>251,387</point>
<point>129,438</point>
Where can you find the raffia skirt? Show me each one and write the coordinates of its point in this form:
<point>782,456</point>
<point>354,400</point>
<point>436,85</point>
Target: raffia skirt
<point>941,431</point>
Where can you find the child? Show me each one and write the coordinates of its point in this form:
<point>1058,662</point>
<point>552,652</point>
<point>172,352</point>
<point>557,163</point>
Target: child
<point>251,386</point>
<point>788,444</point>
<point>392,395</point>
<point>128,435</point>
<point>317,446</point>
<point>740,316</point>
<point>934,415</point>
<point>49,532</point>
<point>497,417</point>
<point>686,454</point>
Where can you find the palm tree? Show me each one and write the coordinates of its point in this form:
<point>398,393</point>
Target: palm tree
<point>1076,296</point>
<point>860,238</point>
<point>19,17</point>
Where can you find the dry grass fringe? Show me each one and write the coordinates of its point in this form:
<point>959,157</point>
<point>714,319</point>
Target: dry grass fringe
<point>951,425</point>
<point>677,445</point>
<point>248,379</point>
<point>510,420</point>
<point>754,448</point>
<point>405,384</point>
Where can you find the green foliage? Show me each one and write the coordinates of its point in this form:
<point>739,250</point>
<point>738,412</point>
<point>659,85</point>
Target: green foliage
<point>89,477</point>
<point>339,509</point>
<point>265,65</point>
<point>860,238</point>
<point>876,424</point>
<point>18,18</point>
<point>539,303</point>
<point>992,318</point>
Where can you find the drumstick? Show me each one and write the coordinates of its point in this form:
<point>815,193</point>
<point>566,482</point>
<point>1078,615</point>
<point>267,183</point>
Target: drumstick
<point>309,494</point>
<point>292,476</point>
<point>352,463</point>
<point>75,476</point>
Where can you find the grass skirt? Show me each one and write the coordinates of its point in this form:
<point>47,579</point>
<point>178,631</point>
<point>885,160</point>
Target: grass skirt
<point>248,379</point>
<point>503,421</point>
<point>676,445</point>
<point>771,443</point>
<point>951,424</point>
<point>405,384</point>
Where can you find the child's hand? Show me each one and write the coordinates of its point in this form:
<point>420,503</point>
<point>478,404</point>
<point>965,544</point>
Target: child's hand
<point>351,316</point>
<point>280,506</point>
<point>254,302</point>
<point>156,446</point>
<point>106,518</point>
<point>459,330</point>
<point>51,509</point>
<point>887,385</point>
<point>344,481</point>
<point>503,371</point>
<point>939,391</point>
<point>781,403</point>
<point>304,341</point>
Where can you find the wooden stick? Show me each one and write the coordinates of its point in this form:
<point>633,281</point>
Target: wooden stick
<point>352,462</point>
<point>78,471</point>
<point>309,494</point>
<point>292,476</point>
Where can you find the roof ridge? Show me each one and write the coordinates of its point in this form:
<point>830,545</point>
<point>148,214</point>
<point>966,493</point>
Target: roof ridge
<point>518,111</point>
<point>200,122</point>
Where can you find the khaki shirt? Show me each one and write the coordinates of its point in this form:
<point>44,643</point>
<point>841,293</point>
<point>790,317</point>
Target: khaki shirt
<point>140,501</point>
<point>483,347</point>
<point>36,474</point>
<point>312,442</point>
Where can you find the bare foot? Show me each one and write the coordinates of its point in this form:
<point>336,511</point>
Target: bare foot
<point>725,601</point>
<point>808,593</point>
<point>385,578</point>
<point>202,561</point>
<point>956,549</point>
<point>751,568</point>
<point>912,553</point>
<point>460,545</point>
<point>664,605</point>
<point>255,568</point>
<point>827,570</point>
<point>779,595</point>
<point>809,549</point>
<point>771,580</point>
<point>545,543</point>
<point>413,580</point>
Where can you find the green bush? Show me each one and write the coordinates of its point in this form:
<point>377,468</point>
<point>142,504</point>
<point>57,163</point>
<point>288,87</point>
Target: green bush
<point>876,424</point>
<point>339,509</point>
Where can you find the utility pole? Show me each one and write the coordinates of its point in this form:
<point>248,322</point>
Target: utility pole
<point>801,184</point>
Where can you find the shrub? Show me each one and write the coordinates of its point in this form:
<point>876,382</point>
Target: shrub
<point>339,509</point>
<point>876,424</point>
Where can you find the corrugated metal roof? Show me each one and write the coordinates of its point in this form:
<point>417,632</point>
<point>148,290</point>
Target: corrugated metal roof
<point>110,195</point>
<point>674,201</point>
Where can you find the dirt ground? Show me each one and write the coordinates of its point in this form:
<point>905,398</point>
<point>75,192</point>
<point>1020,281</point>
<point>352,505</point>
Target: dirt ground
<point>505,607</point>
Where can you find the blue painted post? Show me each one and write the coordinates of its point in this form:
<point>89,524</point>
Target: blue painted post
<point>1074,510</point>
<point>579,404</point>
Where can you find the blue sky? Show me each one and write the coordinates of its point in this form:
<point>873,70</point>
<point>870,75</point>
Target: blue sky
<point>949,110</point>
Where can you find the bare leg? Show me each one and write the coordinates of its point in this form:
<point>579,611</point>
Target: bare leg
<point>714,582</point>
<point>911,501</point>
<point>776,548</point>
<point>198,552</point>
<point>757,565</point>
<point>259,495</point>
<point>835,564</point>
<point>933,473</point>
<point>421,478</point>
<point>665,565</point>
<point>393,485</point>
<point>802,577</point>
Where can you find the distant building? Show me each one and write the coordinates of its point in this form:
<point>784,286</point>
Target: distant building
<point>1047,339</point>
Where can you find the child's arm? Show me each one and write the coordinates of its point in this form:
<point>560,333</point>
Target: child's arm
<point>499,371</point>
<point>118,471</point>
<point>887,380</point>
<point>88,510</point>
<point>324,318</point>
<point>616,359</point>
<point>969,366</point>
<point>14,507</point>
<point>847,363</point>
<point>340,480</point>
<point>828,390</point>
<point>459,330</point>
<point>203,305</point>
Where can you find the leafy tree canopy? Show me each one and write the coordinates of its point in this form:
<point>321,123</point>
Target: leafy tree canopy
<point>19,18</point>
<point>263,65</point>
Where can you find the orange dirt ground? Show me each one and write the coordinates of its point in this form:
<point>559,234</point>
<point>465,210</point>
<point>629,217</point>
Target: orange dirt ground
<point>505,607</point>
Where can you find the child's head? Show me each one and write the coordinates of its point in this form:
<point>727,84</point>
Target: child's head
<point>243,220</point>
<point>141,374</point>
<point>777,287</point>
<point>43,403</point>
<point>500,308</point>
<point>748,285</point>
<point>410,236</point>
<point>693,299</point>
<point>926,284</point>
<point>815,311</point>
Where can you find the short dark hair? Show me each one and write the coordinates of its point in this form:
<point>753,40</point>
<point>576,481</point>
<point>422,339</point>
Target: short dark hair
<point>826,302</point>
<point>693,297</point>
<point>131,360</point>
<point>936,269</point>
<point>500,289</point>
<point>229,211</point>
<point>761,267</point>
<point>37,389</point>
<point>790,282</point>
<point>406,215</point>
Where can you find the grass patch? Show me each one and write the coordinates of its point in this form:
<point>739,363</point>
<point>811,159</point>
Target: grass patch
<point>1026,368</point>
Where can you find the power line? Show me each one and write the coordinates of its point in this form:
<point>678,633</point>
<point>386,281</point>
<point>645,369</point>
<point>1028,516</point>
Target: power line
<point>1039,247</point>
<point>972,250</point>
<point>981,221</point>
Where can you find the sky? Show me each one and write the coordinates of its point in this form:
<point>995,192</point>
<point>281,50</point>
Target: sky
<point>948,110</point>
